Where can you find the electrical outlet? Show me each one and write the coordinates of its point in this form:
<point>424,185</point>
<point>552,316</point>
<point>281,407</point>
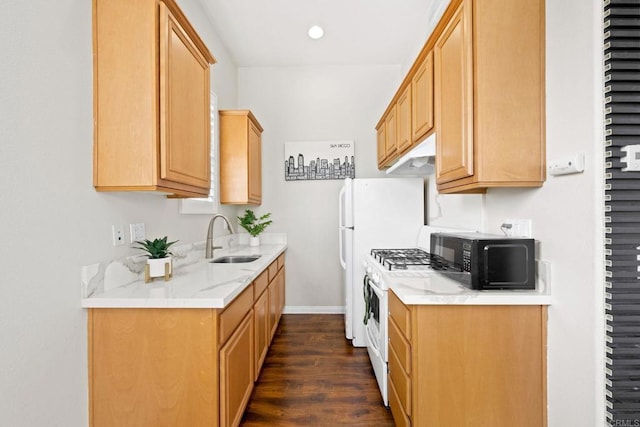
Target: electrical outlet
<point>137,232</point>
<point>517,227</point>
<point>117,234</point>
<point>544,273</point>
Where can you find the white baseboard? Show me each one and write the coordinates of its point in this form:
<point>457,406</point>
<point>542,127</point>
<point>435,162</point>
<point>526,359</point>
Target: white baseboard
<point>313,309</point>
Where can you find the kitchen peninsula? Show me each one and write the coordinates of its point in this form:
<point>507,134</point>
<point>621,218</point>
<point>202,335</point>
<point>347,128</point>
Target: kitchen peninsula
<point>186,351</point>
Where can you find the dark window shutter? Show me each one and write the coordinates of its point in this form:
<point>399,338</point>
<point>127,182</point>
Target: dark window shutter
<point>622,210</point>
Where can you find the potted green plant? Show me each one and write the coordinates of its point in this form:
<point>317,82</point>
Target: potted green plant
<point>159,261</point>
<point>254,225</point>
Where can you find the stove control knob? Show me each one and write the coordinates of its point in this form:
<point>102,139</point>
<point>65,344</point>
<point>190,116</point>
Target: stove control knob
<point>375,277</point>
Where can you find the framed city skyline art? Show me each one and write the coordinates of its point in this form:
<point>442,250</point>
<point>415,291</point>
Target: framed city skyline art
<point>319,160</point>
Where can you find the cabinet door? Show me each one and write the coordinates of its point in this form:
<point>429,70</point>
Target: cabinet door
<point>236,373</point>
<point>281,292</point>
<point>274,304</point>
<point>403,109</point>
<point>261,325</point>
<point>391,133</point>
<point>184,107</point>
<point>400,418</point>
<point>454,98</point>
<point>147,365</point>
<point>255,164</point>
<point>422,99</point>
<point>381,139</point>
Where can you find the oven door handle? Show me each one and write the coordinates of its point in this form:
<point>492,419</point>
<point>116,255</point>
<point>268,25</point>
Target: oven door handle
<point>373,344</point>
<point>366,289</point>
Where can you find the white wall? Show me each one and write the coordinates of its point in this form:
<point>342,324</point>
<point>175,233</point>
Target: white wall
<point>312,104</point>
<point>52,221</point>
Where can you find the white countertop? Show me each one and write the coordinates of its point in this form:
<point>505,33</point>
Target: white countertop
<point>200,284</point>
<point>435,289</point>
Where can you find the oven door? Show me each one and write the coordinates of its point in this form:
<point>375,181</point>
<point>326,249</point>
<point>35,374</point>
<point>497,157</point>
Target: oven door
<point>376,317</point>
<point>376,333</point>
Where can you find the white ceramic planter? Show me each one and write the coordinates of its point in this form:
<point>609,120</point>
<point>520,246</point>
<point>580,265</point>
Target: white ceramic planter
<point>254,241</point>
<point>157,266</point>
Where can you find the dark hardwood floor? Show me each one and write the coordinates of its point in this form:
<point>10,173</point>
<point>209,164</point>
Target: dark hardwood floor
<point>312,376</point>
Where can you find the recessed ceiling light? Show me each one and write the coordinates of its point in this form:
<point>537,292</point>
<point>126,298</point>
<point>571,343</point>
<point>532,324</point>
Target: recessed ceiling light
<point>316,32</point>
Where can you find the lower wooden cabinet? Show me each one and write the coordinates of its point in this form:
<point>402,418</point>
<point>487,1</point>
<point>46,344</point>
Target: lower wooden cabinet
<point>236,373</point>
<point>182,366</point>
<point>261,330</point>
<point>281,292</point>
<point>151,367</point>
<point>276,299</point>
<point>400,417</point>
<point>467,365</point>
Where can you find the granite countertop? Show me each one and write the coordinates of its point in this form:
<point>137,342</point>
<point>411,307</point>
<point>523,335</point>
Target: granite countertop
<point>196,282</point>
<point>435,289</point>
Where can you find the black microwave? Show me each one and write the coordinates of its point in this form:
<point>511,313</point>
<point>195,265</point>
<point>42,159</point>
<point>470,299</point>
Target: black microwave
<point>485,261</point>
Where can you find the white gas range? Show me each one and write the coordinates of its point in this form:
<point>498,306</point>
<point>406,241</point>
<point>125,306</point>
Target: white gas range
<point>383,267</point>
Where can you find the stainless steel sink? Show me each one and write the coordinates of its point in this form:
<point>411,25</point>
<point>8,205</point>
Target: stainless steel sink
<point>235,259</point>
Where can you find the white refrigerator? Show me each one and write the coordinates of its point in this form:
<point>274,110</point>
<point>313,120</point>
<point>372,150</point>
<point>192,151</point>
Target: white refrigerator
<point>374,213</point>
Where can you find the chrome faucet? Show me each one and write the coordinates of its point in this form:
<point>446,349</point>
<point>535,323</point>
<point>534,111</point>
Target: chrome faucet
<point>209,246</point>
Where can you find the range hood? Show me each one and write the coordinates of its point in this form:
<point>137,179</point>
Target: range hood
<point>419,161</point>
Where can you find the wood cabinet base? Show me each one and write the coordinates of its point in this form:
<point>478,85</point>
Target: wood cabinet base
<point>468,365</point>
<point>152,367</point>
<point>193,367</point>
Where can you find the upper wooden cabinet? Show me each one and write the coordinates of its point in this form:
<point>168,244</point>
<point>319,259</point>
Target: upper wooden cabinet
<point>381,137</point>
<point>422,99</point>
<point>388,137</point>
<point>403,121</point>
<point>490,101</point>
<point>410,113</point>
<point>240,158</point>
<point>391,125</point>
<point>479,84</point>
<point>454,98</point>
<point>151,99</point>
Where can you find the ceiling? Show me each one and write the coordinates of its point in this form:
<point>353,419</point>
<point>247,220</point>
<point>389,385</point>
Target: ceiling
<point>357,32</point>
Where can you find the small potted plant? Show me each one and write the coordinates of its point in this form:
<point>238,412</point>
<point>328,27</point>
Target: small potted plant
<point>159,262</point>
<point>254,225</point>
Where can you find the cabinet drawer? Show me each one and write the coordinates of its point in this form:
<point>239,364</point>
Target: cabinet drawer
<point>234,313</point>
<point>399,416</point>
<point>273,269</point>
<point>280,261</point>
<point>401,314</point>
<point>260,284</point>
<point>400,345</point>
<point>401,381</point>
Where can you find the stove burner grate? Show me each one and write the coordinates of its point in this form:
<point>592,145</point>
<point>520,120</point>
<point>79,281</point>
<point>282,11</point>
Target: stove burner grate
<point>410,259</point>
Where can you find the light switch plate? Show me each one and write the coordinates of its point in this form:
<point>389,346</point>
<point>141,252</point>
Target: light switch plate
<point>567,165</point>
<point>137,232</point>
